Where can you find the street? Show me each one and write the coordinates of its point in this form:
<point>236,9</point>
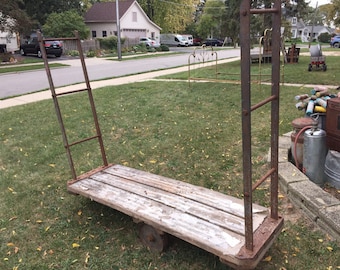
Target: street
<point>14,84</point>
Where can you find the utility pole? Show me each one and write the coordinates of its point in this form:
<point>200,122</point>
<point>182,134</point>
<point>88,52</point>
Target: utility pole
<point>119,49</point>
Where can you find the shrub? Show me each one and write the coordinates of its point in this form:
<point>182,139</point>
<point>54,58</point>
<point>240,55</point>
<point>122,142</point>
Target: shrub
<point>73,53</point>
<point>109,43</point>
<point>164,48</point>
<point>324,37</point>
<point>91,53</point>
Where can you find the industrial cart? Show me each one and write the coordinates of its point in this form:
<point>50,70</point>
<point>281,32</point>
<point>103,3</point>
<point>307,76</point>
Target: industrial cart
<point>238,231</point>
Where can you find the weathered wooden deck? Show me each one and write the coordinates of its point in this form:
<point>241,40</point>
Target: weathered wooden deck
<point>203,217</point>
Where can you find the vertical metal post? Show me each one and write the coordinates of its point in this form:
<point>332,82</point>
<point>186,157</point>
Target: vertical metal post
<point>56,105</point>
<point>246,121</point>
<point>90,96</point>
<point>276,35</point>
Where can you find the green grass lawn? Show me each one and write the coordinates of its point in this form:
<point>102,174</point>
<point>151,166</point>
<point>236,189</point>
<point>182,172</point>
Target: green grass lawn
<point>192,134</point>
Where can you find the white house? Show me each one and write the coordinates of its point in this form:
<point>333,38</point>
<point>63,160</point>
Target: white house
<point>101,18</point>
<point>300,30</point>
<point>10,40</point>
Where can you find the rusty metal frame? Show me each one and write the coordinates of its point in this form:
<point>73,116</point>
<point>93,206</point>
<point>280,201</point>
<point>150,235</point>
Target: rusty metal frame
<point>55,95</point>
<point>245,15</point>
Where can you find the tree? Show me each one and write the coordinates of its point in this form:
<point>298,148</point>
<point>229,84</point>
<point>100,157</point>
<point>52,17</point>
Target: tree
<point>172,15</point>
<point>64,24</point>
<point>211,20</point>
<point>12,16</point>
<point>39,10</point>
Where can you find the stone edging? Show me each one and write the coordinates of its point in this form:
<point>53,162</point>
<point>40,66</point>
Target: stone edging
<point>321,207</point>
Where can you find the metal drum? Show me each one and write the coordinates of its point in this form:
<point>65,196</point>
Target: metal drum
<point>314,155</point>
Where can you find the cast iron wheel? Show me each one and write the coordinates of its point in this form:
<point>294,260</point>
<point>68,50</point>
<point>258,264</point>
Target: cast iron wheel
<point>324,67</point>
<point>309,67</point>
<point>155,240</point>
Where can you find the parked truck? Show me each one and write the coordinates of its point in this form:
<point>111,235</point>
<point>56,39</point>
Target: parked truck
<point>174,40</point>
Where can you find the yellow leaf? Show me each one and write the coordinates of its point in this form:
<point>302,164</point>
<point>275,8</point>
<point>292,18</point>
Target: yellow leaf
<point>320,240</point>
<point>330,249</point>
<point>80,213</point>
<point>47,228</point>
<point>39,248</point>
<point>267,259</point>
<point>281,196</point>
<point>51,165</point>
<point>10,244</point>
<point>10,189</point>
<point>39,221</point>
<point>75,245</point>
<point>16,250</point>
<point>153,161</point>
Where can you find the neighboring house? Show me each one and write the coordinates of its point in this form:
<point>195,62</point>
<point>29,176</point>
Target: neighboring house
<point>101,18</point>
<point>300,30</point>
<point>10,41</point>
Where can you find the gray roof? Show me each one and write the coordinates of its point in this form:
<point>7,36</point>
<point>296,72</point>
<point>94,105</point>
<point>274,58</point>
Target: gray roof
<point>106,11</point>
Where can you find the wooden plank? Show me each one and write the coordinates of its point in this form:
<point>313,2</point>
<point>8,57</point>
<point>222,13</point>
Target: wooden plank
<point>192,207</point>
<point>209,197</point>
<point>199,232</point>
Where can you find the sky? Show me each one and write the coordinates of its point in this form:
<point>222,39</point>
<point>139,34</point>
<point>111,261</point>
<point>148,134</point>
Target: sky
<point>320,2</point>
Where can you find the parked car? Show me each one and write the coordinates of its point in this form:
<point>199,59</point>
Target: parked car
<point>32,47</point>
<point>212,42</point>
<point>149,43</point>
<point>197,41</point>
<point>335,42</point>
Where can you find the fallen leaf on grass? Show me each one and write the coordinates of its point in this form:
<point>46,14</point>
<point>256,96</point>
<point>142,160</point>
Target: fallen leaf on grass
<point>330,249</point>
<point>87,258</point>
<point>267,259</point>
<point>75,245</point>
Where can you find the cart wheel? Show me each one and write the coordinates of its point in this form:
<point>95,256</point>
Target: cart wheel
<point>154,239</point>
<point>309,67</point>
<point>324,67</point>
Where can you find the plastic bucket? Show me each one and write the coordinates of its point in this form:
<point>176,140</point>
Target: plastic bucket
<point>332,168</point>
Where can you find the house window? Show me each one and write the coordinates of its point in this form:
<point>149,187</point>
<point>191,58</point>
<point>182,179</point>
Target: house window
<point>94,34</point>
<point>134,16</point>
<point>104,34</point>
<point>152,35</point>
<point>294,21</point>
<point>293,33</point>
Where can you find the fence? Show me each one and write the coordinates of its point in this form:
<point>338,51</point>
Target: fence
<point>87,45</point>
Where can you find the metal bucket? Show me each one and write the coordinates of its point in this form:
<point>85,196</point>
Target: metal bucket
<point>315,50</point>
<point>314,155</point>
<point>332,168</point>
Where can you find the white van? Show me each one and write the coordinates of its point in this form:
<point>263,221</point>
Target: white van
<point>173,40</point>
<point>189,38</point>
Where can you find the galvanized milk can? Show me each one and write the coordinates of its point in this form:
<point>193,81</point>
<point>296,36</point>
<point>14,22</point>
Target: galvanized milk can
<point>314,155</point>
